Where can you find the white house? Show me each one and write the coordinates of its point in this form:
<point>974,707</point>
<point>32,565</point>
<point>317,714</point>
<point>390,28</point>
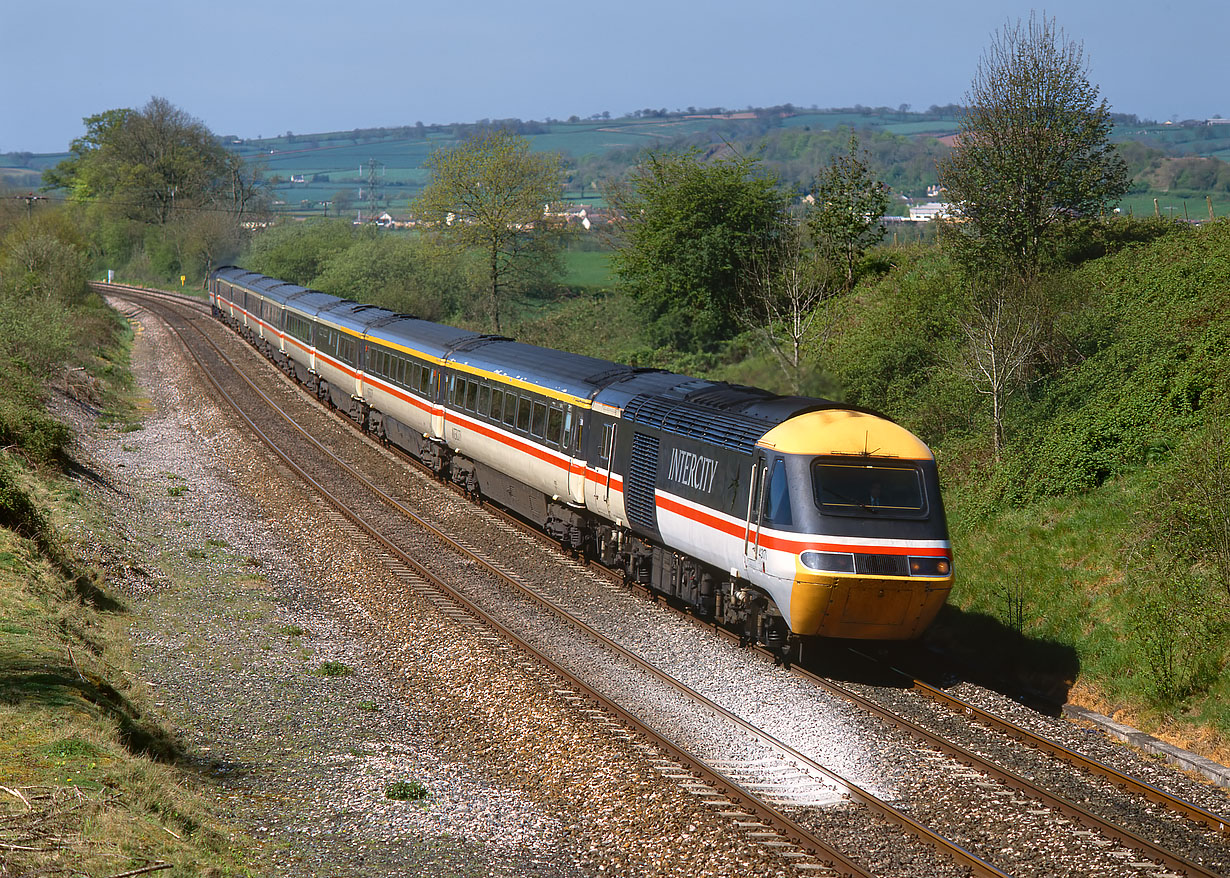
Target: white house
<point>921,213</point>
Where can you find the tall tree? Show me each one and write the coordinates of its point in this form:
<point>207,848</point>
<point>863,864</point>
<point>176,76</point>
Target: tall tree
<point>690,233</point>
<point>1032,151</point>
<point>145,163</point>
<point>848,214</point>
<point>160,167</point>
<point>490,193</point>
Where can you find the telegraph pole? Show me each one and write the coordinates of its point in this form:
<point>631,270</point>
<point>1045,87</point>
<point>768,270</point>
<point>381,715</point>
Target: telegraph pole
<point>29,199</point>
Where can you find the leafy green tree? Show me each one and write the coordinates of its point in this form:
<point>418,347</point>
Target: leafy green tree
<point>1033,152</point>
<point>489,193</point>
<point>848,214</point>
<point>143,161</point>
<point>691,233</point>
<point>159,167</point>
<point>1032,158</point>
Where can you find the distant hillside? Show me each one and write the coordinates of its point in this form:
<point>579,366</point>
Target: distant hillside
<point>329,172</point>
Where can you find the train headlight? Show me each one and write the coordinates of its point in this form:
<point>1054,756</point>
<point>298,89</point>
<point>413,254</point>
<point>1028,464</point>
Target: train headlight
<point>930,566</point>
<point>829,562</point>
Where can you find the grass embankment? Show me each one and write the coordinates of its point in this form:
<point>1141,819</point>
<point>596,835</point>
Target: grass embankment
<point>1096,553</point>
<point>1063,595</point>
<point>91,782</point>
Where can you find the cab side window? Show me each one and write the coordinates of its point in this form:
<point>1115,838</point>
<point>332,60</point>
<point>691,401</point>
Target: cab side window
<point>777,498</point>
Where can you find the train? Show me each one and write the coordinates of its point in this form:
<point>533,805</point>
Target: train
<point>782,518</point>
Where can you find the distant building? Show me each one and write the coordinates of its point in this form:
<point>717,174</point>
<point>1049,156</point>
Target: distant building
<point>921,213</point>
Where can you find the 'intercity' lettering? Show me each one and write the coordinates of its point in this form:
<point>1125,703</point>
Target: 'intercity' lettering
<point>692,470</point>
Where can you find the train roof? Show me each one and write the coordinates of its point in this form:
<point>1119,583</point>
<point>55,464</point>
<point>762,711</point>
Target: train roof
<point>312,302</point>
<point>352,316</point>
<point>434,340</point>
<point>559,372</point>
<point>235,274</point>
<point>731,415</point>
<point>280,291</point>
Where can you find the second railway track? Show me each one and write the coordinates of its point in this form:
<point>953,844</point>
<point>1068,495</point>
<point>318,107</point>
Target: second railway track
<point>1036,838</point>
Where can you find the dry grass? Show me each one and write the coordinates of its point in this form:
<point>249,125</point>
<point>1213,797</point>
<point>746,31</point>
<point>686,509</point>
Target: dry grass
<point>91,781</point>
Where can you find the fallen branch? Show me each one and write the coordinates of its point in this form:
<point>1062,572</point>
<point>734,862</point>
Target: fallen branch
<point>157,868</point>
<point>72,658</point>
<point>18,794</point>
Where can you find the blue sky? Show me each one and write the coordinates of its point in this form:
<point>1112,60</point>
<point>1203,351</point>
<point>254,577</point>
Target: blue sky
<point>263,67</point>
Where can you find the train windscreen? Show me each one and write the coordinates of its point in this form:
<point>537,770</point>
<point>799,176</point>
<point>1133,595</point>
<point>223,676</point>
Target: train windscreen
<point>856,487</point>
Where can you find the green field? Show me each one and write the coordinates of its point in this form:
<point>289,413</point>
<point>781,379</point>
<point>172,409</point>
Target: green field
<point>588,269</point>
<point>1179,206</point>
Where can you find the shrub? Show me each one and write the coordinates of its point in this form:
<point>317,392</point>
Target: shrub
<point>334,669</point>
<point>1182,631</point>
<point>406,791</point>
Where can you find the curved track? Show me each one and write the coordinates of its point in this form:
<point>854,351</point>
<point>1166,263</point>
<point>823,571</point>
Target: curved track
<point>385,518</point>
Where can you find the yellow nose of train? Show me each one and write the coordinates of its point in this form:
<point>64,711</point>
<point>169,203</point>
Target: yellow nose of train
<point>887,608</point>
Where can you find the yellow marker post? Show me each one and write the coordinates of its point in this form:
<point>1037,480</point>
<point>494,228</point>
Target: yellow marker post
<point>182,278</point>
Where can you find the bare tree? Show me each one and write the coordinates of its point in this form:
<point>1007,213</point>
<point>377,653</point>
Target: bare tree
<point>787,292</point>
<point>1002,334</point>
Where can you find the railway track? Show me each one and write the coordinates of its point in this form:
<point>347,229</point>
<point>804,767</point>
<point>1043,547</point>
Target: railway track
<point>774,807</point>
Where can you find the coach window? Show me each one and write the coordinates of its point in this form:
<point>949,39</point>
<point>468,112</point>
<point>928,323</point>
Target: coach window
<point>555,426</point>
<point>472,396</point>
<point>523,414</point>
<point>484,399</point>
<point>510,409</point>
<point>497,404</point>
<point>566,444</point>
<point>539,420</point>
<point>429,376</point>
<point>777,500</point>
